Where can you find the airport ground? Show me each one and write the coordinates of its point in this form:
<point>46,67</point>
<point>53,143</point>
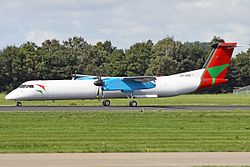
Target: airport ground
<point>150,131</point>
<point>191,99</point>
<point>125,131</point>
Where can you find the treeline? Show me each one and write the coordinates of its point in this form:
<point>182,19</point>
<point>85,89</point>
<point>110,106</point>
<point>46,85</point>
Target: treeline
<point>55,60</point>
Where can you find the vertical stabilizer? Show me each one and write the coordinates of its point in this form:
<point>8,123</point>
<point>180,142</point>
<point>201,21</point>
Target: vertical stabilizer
<point>217,65</point>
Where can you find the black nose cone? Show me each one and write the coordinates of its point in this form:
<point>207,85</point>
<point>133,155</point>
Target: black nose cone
<point>98,83</point>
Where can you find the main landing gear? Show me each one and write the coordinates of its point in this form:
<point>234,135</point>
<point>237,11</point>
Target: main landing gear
<point>106,102</point>
<point>132,103</point>
<point>19,104</point>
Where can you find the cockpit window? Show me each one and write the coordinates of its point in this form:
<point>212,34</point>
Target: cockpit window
<point>22,86</point>
<point>30,86</point>
<point>26,86</point>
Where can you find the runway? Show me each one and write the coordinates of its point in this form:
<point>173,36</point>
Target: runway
<point>126,159</point>
<point>121,108</point>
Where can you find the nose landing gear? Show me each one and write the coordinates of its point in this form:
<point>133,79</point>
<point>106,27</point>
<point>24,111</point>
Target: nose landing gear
<point>19,104</point>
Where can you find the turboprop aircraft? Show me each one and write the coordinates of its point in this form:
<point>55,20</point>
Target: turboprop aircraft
<point>96,87</point>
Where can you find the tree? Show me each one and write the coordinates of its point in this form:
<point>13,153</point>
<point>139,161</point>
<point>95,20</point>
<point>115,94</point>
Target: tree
<point>55,60</point>
<point>116,65</point>
<point>162,65</point>
<point>100,56</point>
<point>138,58</point>
<point>13,68</point>
<point>165,50</point>
<point>243,64</point>
<point>80,54</point>
<point>195,55</point>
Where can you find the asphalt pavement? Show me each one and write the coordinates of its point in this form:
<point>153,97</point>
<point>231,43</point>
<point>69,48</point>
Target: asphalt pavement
<point>120,108</point>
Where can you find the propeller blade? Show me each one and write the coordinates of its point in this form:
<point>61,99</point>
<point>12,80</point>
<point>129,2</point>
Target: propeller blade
<point>98,91</point>
<point>102,92</point>
<point>99,82</point>
<point>100,74</point>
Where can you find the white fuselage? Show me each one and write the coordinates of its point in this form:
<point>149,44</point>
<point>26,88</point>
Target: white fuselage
<point>85,89</point>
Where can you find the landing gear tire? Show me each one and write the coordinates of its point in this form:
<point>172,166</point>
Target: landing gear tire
<point>132,103</point>
<point>106,103</point>
<point>18,104</point>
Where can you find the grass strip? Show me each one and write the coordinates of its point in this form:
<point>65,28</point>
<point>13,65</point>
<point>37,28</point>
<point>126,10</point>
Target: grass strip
<point>124,131</point>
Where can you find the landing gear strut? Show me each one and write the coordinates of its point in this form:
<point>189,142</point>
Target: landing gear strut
<point>106,102</point>
<point>18,104</point>
<point>132,102</point>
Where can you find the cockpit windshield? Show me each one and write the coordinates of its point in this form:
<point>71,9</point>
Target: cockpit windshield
<point>22,86</point>
<point>26,86</point>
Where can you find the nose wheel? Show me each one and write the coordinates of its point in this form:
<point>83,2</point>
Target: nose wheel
<point>18,104</point>
<point>106,102</point>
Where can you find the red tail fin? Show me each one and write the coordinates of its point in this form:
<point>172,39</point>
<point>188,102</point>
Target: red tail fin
<point>217,65</point>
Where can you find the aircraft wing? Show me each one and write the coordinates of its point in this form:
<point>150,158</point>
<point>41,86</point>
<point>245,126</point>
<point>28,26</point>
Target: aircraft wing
<point>121,83</point>
<point>129,84</point>
<point>82,77</point>
<point>142,79</point>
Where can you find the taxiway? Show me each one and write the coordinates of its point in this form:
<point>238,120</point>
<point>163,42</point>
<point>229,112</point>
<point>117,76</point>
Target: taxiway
<point>121,108</point>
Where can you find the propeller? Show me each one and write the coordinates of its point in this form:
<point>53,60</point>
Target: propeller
<point>99,82</point>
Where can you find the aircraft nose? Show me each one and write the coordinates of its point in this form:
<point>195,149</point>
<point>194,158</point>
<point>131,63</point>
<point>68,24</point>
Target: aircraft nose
<point>11,96</point>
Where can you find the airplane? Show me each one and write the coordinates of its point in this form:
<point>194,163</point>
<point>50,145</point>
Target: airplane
<point>97,87</point>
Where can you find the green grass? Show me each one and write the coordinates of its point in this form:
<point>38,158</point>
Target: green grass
<point>124,131</point>
<point>220,99</point>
